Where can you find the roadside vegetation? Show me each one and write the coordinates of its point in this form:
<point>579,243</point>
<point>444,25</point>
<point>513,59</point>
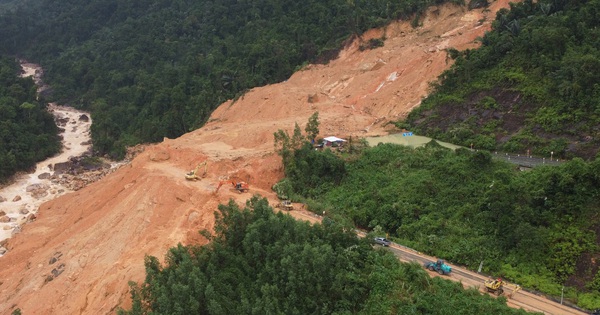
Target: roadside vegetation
<point>149,69</point>
<point>28,133</point>
<point>533,85</point>
<point>537,228</point>
<point>259,262</point>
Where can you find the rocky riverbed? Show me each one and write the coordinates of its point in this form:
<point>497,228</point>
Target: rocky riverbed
<point>68,171</point>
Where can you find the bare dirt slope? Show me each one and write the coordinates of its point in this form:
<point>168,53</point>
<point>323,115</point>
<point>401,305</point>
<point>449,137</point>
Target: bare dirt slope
<point>78,256</point>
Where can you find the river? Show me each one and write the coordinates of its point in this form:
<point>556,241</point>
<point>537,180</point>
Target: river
<point>20,200</point>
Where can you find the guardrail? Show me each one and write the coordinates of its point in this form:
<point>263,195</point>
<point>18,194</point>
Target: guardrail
<point>526,160</point>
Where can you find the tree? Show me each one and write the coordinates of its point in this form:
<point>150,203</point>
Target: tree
<point>312,127</point>
<point>282,145</point>
<point>297,139</point>
<point>285,145</point>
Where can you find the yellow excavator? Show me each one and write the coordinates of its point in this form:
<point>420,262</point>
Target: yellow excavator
<point>496,286</point>
<point>193,174</point>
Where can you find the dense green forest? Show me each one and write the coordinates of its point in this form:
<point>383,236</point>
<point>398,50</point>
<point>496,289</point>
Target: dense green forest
<point>259,262</point>
<point>534,84</point>
<point>150,69</point>
<point>538,228</point>
<point>28,133</point>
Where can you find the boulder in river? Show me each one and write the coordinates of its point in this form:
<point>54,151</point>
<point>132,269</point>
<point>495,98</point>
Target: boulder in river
<point>37,190</point>
<point>63,167</point>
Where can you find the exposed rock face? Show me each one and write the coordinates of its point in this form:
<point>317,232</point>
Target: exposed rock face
<point>37,190</point>
<point>61,121</point>
<point>60,168</point>
<point>104,229</point>
<point>80,166</point>
<point>44,176</point>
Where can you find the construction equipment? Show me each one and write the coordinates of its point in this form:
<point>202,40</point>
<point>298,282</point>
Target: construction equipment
<point>193,174</point>
<point>496,286</point>
<point>240,186</point>
<point>285,205</point>
<point>439,266</point>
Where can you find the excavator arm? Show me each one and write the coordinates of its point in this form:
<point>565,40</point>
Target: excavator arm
<point>515,288</point>
<point>221,183</point>
<point>193,175</point>
<point>497,286</point>
<point>239,186</point>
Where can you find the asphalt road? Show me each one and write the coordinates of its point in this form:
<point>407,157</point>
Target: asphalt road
<point>526,161</point>
<point>522,299</point>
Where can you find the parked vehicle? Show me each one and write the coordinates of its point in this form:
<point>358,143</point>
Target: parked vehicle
<point>382,241</point>
<point>439,266</point>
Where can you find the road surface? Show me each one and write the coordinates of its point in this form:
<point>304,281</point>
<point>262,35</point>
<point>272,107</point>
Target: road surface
<point>522,299</point>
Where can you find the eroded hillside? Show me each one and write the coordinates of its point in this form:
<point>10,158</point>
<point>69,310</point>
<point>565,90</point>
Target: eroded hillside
<point>78,256</point>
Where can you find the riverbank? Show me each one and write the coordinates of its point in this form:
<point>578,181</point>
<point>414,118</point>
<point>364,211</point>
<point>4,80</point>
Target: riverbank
<point>19,201</point>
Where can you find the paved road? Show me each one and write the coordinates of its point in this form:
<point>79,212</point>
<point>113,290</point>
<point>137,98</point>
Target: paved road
<point>522,299</point>
<point>526,161</point>
<point>414,141</point>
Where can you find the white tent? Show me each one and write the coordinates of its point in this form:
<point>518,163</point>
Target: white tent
<point>333,139</point>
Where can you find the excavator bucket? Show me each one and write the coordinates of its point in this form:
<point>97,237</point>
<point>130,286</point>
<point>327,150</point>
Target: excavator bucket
<point>194,175</point>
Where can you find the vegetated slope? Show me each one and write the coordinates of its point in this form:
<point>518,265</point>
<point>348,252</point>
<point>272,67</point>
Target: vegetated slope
<point>152,69</point>
<point>28,133</point>
<point>84,247</point>
<point>533,86</point>
<point>537,228</point>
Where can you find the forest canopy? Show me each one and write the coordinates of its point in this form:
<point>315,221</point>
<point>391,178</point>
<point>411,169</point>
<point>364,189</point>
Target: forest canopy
<point>28,133</point>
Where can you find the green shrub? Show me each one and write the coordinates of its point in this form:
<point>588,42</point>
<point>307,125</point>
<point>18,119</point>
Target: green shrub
<point>488,102</point>
<point>590,301</point>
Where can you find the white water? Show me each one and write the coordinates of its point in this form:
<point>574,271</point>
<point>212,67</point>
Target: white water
<point>76,139</point>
